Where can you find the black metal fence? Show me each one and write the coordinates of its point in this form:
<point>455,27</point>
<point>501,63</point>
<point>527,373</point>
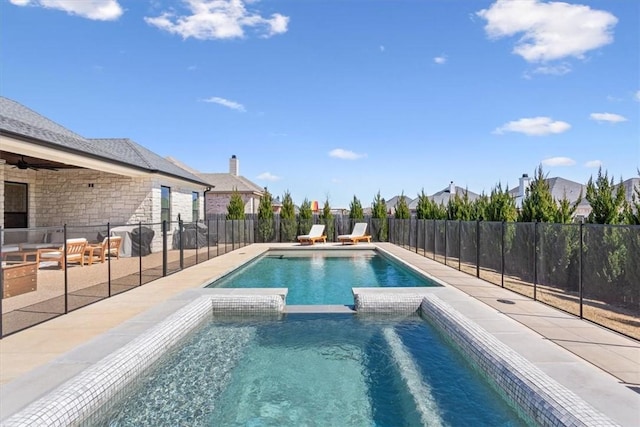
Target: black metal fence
<point>33,292</point>
<point>589,270</point>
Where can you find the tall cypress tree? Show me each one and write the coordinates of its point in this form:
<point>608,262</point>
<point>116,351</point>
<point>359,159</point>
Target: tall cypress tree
<point>355,209</point>
<point>265,216</point>
<point>327,218</point>
<point>402,209</point>
<point>379,215</point>
<point>538,204</point>
<point>235,208</point>
<point>306,217</point>
<point>288,218</point>
<point>607,202</point>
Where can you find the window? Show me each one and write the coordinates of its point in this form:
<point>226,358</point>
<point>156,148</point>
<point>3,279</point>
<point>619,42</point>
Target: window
<point>195,206</point>
<point>16,199</point>
<point>165,203</point>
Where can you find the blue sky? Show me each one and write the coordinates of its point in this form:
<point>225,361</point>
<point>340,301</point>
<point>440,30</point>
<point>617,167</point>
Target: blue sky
<point>328,98</point>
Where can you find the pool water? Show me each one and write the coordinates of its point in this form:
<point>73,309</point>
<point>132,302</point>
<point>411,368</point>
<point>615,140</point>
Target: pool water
<point>313,370</point>
<point>322,277</point>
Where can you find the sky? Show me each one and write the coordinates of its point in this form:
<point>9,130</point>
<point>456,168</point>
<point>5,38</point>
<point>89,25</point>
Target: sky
<point>336,99</point>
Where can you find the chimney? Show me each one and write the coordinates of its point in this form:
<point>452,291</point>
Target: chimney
<point>524,184</point>
<point>452,188</point>
<point>234,166</point>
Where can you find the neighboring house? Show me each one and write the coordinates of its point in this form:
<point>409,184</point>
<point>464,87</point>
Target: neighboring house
<point>442,197</point>
<point>393,202</point>
<point>223,185</point>
<point>560,189</point>
<point>50,176</point>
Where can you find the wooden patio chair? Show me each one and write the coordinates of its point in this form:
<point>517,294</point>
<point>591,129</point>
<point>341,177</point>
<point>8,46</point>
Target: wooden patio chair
<point>75,253</point>
<point>109,246</point>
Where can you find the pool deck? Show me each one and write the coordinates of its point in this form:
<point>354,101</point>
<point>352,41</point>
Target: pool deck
<point>599,365</point>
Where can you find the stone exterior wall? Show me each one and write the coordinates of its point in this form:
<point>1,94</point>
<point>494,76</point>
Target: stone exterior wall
<point>86,197</point>
<point>217,203</point>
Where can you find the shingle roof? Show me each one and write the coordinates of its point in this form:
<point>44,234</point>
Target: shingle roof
<point>227,182</point>
<point>17,119</point>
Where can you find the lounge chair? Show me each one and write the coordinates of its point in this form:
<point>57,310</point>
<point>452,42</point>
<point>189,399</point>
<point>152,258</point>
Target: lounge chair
<point>316,234</point>
<point>75,253</point>
<point>99,251</point>
<point>357,235</point>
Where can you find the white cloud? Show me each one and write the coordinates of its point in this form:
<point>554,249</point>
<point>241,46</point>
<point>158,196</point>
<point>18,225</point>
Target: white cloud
<point>345,154</point>
<point>98,10</point>
<point>381,48</point>
<point>268,176</point>
<point>637,96</point>
<point>558,161</point>
<point>440,59</point>
<point>226,103</point>
<point>537,126</point>
<point>607,117</point>
<point>554,70</point>
<point>549,30</point>
<point>593,164</point>
<point>218,19</point>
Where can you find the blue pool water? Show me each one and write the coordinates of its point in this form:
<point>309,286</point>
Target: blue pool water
<point>322,277</point>
<point>313,370</point>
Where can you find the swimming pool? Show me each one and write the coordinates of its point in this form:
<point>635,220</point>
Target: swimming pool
<point>322,277</point>
<point>315,369</point>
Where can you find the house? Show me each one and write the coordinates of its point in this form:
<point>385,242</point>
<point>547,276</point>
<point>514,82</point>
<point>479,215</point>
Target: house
<point>50,176</point>
<point>223,185</point>
<point>560,189</point>
<point>442,197</point>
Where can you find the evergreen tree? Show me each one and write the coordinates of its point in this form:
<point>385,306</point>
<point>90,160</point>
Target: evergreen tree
<point>423,209</point>
<point>480,206</point>
<point>326,217</point>
<point>538,204</point>
<point>306,217</point>
<point>565,210</point>
<point>501,206</point>
<point>379,218</point>
<point>355,209</point>
<point>460,208</point>
<point>607,202</point>
<point>265,216</point>
<point>287,218</point>
<point>402,209</point>
<point>235,208</point>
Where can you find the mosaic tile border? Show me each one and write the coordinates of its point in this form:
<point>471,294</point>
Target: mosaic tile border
<point>387,303</point>
<point>79,398</point>
<point>542,399</point>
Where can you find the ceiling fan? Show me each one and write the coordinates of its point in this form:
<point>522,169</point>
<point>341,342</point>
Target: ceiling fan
<point>23,164</point>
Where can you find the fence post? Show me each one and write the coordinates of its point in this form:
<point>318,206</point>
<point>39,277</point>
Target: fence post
<point>181,244</point>
<point>66,282</point>
<point>233,235</point>
<point>477,248</point>
<point>417,233</point>
<point>535,260</point>
<point>445,241</point>
<point>139,253</point>
<point>580,290</point>
<point>434,238</point>
<point>459,245</point>
<point>108,255</point>
<point>502,255</point>
<point>164,247</point>
<point>218,236</point>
